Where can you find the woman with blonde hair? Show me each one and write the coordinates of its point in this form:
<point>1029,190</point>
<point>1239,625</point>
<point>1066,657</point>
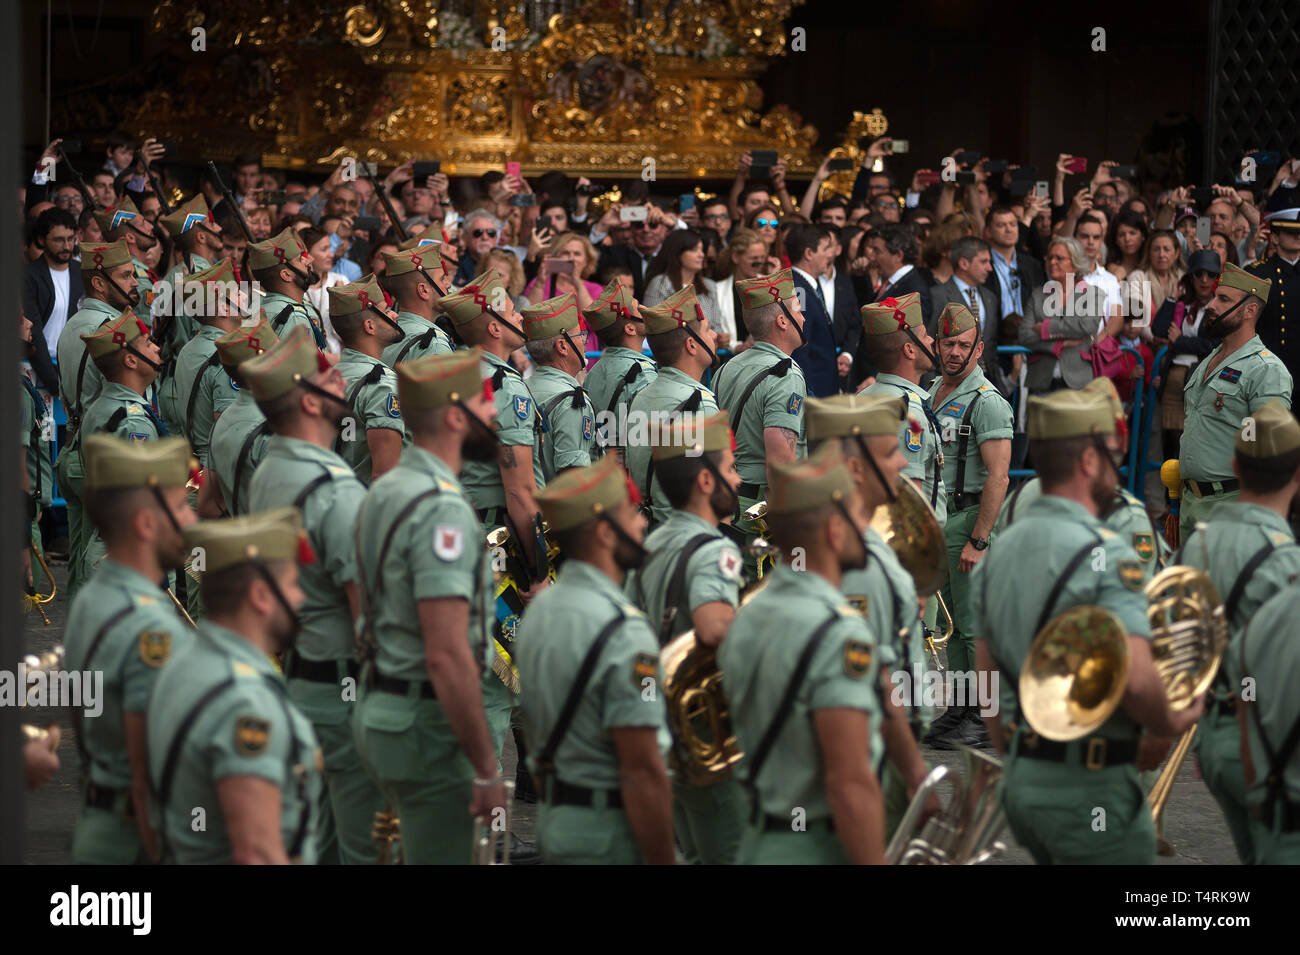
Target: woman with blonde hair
<point>555,277</point>
<point>511,271</point>
<point>743,258</point>
<point>1158,276</point>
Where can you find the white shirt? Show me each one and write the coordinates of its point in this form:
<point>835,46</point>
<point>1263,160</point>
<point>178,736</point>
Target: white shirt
<point>827,285</point>
<point>964,288</point>
<point>1109,285</point>
<point>1191,326</point>
<point>320,299</point>
<point>59,317</point>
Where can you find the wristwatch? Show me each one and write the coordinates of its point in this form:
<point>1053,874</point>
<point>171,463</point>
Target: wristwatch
<point>979,543</point>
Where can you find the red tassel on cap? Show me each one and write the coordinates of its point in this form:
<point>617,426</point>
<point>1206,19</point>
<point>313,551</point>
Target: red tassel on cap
<point>196,477</point>
<point>144,329</point>
<point>306,556</point>
<point>322,363</point>
<point>487,389</point>
<point>733,439</point>
<point>632,492</point>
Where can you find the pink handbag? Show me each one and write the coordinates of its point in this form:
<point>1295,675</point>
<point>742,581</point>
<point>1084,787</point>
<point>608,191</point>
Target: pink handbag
<point>1106,357</point>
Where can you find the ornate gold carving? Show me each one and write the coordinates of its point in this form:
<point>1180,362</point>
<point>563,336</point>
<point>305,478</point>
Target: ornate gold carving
<point>871,125</point>
<point>591,89</point>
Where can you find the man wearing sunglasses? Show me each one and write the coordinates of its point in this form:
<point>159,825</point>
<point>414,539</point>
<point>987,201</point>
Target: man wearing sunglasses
<point>478,237</point>
<point>366,326</point>
<point>647,236</point>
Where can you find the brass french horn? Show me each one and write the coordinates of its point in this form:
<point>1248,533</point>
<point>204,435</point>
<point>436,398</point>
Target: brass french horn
<point>1075,674</point>
<point>911,528</point>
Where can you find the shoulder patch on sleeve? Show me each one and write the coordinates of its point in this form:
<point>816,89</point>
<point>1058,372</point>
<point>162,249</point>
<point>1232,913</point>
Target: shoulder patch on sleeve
<point>1279,538</point>
<point>729,563</point>
<point>252,735</point>
<point>1145,545</point>
<point>794,404</point>
<point>136,436</point>
<point>1130,574</point>
<point>448,542</point>
<point>234,384</point>
<point>857,659</point>
<point>858,602</point>
<point>155,647</point>
<point>522,407</point>
<point>588,428</point>
<point>392,408</point>
<point>645,668</point>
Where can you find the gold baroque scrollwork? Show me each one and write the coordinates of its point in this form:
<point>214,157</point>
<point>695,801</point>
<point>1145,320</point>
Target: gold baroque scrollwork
<point>363,27</point>
<point>479,105</point>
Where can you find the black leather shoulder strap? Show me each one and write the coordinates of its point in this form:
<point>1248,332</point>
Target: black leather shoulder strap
<point>690,403</point>
<point>780,369</point>
<point>245,450</point>
<point>364,590</point>
<point>673,595</point>
<point>963,442</point>
<point>629,376</point>
<point>1055,593</point>
<point>213,360</point>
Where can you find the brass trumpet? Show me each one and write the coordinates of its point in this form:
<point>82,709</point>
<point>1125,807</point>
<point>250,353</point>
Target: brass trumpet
<point>966,831</point>
<point>33,599</point>
<point>492,839</point>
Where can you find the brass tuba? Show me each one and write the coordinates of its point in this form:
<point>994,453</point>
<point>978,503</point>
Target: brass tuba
<point>704,741</point>
<point>966,831</point>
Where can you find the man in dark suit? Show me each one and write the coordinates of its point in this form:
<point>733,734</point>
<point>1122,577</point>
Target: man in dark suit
<point>1015,273</point>
<point>51,290</point>
<point>970,267</point>
<point>842,304</point>
<point>893,251</point>
<point>811,248</point>
<point>647,236</point>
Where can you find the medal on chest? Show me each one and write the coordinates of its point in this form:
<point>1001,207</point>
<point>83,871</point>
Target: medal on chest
<point>1218,401</point>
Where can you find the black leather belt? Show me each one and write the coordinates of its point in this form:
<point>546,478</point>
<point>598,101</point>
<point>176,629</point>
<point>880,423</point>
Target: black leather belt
<point>490,517</point>
<point>403,687</point>
<point>965,499</point>
<point>321,671</point>
<point>783,823</point>
<point>1098,752</point>
<point>557,793</point>
<point>105,797</point>
<point>1290,817</point>
<point>749,490</point>
<point>1206,488</point>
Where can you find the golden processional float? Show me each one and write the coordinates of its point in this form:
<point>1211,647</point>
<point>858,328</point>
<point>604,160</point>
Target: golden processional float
<point>593,88</point>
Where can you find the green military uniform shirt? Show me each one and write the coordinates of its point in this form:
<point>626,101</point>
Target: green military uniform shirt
<point>652,408</point>
<point>139,423</point>
<point>990,420</point>
<point>776,402</point>
<point>239,440</point>
<point>603,381</point>
<point>1125,515</point>
<point>567,434</point>
<point>373,396</point>
<point>71,350</point>
<point>143,630</point>
<point>1009,586</point>
<point>329,513</point>
<point>200,377</point>
<point>923,446</point>
<point>713,571</point>
<point>557,631</point>
<point>422,338</point>
<point>184,326</point>
<point>516,425</point>
<point>1247,379</point>
<point>300,313</point>
<point>248,728</point>
<point>1270,654</point>
<point>885,594</point>
<point>145,284</point>
<point>437,552</point>
<point>757,659</point>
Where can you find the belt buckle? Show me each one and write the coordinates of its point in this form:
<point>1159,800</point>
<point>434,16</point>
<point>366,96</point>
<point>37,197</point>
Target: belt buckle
<point>1095,756</point>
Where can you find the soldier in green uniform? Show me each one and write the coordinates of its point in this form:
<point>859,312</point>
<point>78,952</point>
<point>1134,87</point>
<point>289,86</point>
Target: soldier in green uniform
<point>684,348</point>
<point>588,665</point>
<point>282,267</point>
<point>1248,549</point>
<point>372,441</point>
<point>903,351</point>
<point>1269,657</point>
<point>800,671</point>
<point>691,581</point>
<point>865,428</point>
<point>302,398</point>
<point>1235,379</point>
<point>763,388</point>
<point>109,279</point>
<point>566,436</point>
<point>227,745</point>
<point>502,491</point>
<point>201,390</point>
<point>622,371</point>
<point>240,435</point>
<point>426,592</point>
<point>976,427</point>
<point>1126,515</point>
<point>128,360</point>
<point>196,238</point>
<point>416,281</point>
<point>37,427</point>
<point>122,221</point>
<point>1077,802</point>
<point>122,625</point>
